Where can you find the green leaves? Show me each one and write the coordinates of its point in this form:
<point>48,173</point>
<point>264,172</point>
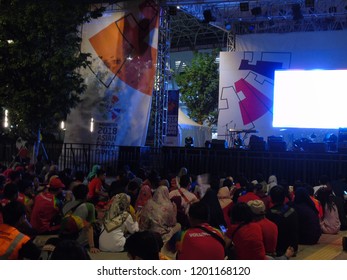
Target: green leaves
<point>39,78</point>
<point>199,87</point>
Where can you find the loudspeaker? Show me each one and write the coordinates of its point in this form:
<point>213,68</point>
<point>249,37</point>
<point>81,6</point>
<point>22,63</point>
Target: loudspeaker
<point>218,144</point>
<point>257,146</point>
<point>255,139</point>
<point>172,10</point>
<point>275,139</point>
<point>296,10</point>
<point>342,137</point>
<point>280,146</point>
<point>332,9</point>
<point>189,142</point>
<point>344,243</point>
<point>208,16</point>
<point>244,6</point>
<point>257,143</point>
<point>342,140</point>
<point>256,11</point>
<point>309,3</point>
<point>317,147</point>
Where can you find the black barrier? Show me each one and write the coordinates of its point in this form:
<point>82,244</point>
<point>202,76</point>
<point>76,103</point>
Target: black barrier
<point>290,165</point>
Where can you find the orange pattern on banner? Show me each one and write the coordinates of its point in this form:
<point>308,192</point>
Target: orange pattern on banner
<point>105,44</point>
<point>123,47</point>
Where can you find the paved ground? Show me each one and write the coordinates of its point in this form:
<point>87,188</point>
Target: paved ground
<point>329,247</point>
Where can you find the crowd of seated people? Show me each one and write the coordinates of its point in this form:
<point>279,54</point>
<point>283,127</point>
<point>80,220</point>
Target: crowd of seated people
<point>242,218</point>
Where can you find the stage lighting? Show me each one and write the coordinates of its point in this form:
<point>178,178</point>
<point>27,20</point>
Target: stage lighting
<point>331,140</point>
<point>207,144</point>
<point>296,10</point>
<point>189,142</point>
<point>256,11</point>
<point>172,10</point>
<point>208,16</point>
<point>228,26</point>
<point>309,3</point>
<point>332,10</point>
<point>244,6</point>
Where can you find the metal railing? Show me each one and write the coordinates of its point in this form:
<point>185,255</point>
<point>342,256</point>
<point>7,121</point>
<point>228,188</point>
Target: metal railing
<point>288,165</point>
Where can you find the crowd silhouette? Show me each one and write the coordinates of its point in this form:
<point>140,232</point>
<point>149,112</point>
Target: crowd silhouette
<point>47,213</point>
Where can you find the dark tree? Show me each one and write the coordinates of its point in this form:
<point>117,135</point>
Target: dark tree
<point>40,60</point>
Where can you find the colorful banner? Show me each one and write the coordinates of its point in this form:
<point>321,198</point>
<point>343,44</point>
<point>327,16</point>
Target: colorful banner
<point>123,48</point>
<point>171,138</point>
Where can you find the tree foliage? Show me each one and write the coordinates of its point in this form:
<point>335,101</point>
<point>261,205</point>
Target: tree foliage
<point>40,58</point>
<point>199,85</point>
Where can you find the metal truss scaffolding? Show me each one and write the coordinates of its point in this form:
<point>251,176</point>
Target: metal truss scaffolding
<point>262,16</point>
<point>160,93</point>
<point>231,43</point>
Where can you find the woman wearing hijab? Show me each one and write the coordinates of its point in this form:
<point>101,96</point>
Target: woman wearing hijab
<point>159,214</point>
<point>272,181</point>
<point>92,174</point>
<point>175,181</point>
<point>145,194</point>
<point>226,203</point>
<point>117,223</point>
<point>309,225</point>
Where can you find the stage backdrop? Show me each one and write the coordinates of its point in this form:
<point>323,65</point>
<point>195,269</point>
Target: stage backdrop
<point>117,102</point>
<point>247,78</point>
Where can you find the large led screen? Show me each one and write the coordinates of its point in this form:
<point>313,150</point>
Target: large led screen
<point>310,99</point>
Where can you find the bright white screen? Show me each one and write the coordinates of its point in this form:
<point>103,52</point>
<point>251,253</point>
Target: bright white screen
<point>310,99</point>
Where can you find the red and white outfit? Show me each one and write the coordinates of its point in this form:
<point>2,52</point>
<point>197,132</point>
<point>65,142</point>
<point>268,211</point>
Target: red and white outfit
<point>187,197</point>
<point>46,207</point>
<point>95,186</point>
<point>197,244</point>
<point>248,241</point>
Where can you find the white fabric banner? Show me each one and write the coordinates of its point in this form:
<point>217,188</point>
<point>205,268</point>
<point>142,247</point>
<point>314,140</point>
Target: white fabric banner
<point>120,81</point>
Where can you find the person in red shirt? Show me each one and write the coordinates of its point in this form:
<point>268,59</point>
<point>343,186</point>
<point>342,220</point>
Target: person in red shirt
<point>246,235</point>
<point>95,187</point>
<point>268,228</point>
<point>47,208</point>
<point>201,241</point>
<point>26,195</point>
<point>249,195</point>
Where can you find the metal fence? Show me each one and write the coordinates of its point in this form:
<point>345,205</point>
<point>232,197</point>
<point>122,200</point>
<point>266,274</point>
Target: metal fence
<point>168,160</point>
<point>83,156</point>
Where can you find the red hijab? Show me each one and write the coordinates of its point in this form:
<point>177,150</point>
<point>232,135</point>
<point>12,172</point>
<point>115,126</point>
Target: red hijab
<point>145,194</point>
